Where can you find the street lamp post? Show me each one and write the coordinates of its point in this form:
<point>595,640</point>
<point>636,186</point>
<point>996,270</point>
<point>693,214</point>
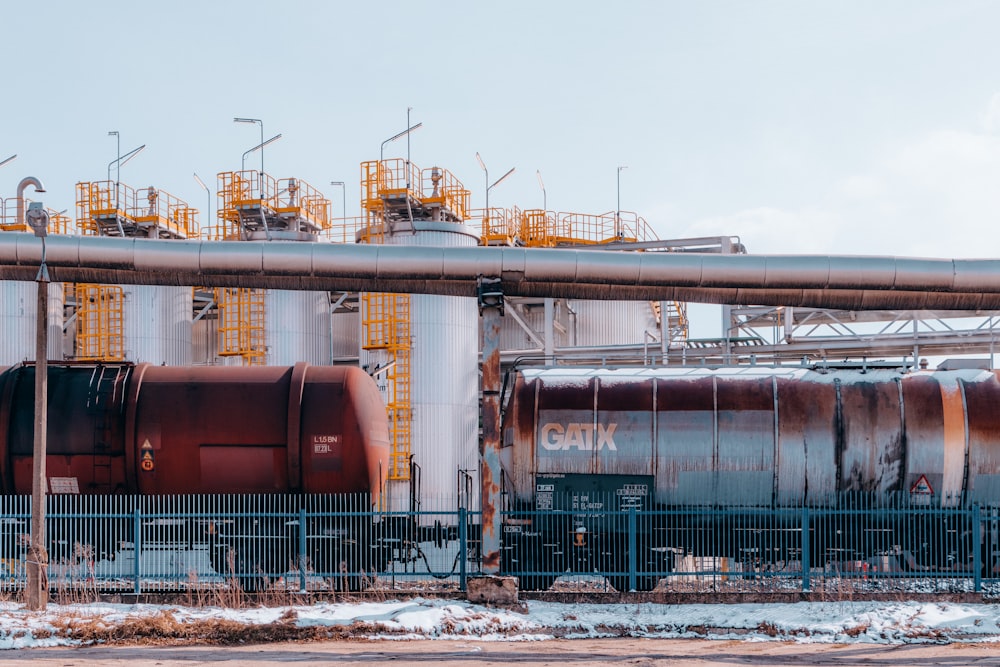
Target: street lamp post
<point>208,198</point>
<point>37,588</point>
<point>618,204</point>
<point>343,187</point>
<point>381,151</point>
<point>488,185</point>
<point>406,132</point>
<point>259,147</point>
<point>118,152</point>
<point>261,123</point>
<point>121,161</point>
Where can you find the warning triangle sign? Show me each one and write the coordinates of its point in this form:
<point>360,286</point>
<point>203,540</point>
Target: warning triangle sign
<point>146,444</point>
<point>922,487</point>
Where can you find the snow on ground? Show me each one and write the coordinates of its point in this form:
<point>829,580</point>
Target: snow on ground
<point>830,622</point>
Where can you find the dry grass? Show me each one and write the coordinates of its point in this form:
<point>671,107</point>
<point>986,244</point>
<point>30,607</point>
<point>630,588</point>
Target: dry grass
<point>165,628</point>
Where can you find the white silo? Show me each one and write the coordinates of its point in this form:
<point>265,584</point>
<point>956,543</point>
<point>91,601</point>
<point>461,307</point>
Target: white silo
<point>271,327</point>
<point>140,323</point>
<point>412,207</point>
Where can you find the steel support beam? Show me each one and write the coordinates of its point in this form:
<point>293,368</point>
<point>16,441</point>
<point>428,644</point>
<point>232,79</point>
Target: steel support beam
<point>490,311</point>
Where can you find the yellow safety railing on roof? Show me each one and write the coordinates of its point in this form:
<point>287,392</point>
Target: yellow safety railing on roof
<point>59,222</point>
<point>244,189</point>
<point>439,186</point>
<point>102,205</point>
<point>99,323</point>
<point>298,198</point>
<point>501,227</point>
<point>241,331</point>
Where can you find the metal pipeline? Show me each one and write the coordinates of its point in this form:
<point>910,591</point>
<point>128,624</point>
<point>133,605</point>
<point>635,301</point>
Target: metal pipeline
<point>820,281</point>
<point>21,187</point>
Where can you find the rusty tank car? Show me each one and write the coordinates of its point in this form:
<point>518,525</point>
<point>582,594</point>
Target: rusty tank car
<point>671,440</point>
<point>160,430</point>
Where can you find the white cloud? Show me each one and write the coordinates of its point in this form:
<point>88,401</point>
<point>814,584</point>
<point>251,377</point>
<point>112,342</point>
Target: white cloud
<point>936,196</point>
<point>991,119</point>
<point>772,230</point>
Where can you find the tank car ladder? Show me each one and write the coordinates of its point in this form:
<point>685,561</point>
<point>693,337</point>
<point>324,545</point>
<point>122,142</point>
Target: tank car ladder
<point>106,389</point>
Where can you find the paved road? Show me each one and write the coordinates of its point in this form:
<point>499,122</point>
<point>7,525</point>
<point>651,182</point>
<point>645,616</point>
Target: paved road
<point>575,653</point>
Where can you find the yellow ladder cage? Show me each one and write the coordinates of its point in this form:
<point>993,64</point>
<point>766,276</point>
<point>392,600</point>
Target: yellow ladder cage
<point>386,326</point>
<point>241,324</point>
<point>99,330</point>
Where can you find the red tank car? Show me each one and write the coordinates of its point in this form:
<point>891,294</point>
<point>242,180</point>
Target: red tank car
<point>303,432</point>
<point>198,429</point>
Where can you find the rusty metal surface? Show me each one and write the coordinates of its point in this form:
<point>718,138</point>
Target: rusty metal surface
<point>489,452</point>
<point>869,437</point>
<point>923,418</point>
<point>745,468</point>
<point>982,396</point>
<point>686,442</point>
<point>728,437</point>
<point>807,464</point>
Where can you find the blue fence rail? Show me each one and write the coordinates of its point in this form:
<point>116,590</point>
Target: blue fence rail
<point>138,545</point>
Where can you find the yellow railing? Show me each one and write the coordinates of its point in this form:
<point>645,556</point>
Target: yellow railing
<point>296,197</point>
<point>439,186</point>
<point>108,202</point>
<point>241,324</point>
<point>500,227</point>
<point>59,222</point>
<point>548,229</point>
<point>99,331</point>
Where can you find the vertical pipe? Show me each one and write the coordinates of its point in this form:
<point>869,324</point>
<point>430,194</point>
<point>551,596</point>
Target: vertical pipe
<point>489,449</point>
<point>549,329</point>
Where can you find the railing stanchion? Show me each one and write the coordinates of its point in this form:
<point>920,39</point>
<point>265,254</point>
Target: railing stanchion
<point>805,550</point>
<point>632,545</point>
<point>977,551</point>
<point>137,547</point>
<point>463,538</point>
<point>302,549</point>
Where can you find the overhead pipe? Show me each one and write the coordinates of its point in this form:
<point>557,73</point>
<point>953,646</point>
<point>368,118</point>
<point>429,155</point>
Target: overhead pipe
<point>820,281</point>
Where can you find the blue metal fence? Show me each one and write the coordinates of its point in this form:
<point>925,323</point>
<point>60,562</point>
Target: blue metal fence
<point>339,543</point>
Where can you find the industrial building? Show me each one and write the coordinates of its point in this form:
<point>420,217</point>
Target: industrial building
<point>423,350</point>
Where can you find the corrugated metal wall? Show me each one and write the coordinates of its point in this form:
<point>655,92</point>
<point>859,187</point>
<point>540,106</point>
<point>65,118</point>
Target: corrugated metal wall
<point>157,324</point>
<point>613,322</point>
<point>297,327</point>
<point>18,315</point>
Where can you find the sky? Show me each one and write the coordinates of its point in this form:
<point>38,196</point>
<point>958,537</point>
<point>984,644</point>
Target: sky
<point>843,127</point>
<point>841,622</point>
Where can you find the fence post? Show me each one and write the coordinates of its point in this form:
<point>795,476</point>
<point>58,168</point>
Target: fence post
<point>977,550</point>
<point>302,549</point>
<point>463,554</point>
<point>805,550</point>
<point>137,546</point>
<point>631,549</point>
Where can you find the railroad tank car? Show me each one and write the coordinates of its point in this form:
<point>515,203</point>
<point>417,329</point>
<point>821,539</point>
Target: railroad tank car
<point>162,430</point>
<point>661,439</point>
